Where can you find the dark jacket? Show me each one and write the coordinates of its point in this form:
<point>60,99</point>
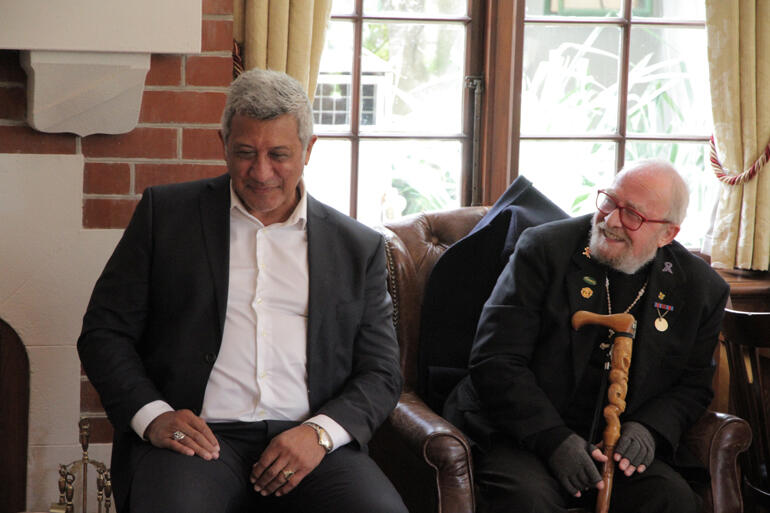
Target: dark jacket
<point>527,361</point>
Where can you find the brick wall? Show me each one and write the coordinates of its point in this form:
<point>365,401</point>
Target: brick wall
<point>176,139</point>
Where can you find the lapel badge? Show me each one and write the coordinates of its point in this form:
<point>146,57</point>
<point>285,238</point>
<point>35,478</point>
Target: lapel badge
<point>589,280</point>
<point>661,296</point>
<point>586,292</point>
<point>587,252</point>
<point>668,267</point>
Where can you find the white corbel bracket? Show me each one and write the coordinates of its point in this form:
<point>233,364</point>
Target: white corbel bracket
<point>84,92</point>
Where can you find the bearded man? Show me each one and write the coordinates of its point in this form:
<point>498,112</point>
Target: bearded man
<point>532,401</point>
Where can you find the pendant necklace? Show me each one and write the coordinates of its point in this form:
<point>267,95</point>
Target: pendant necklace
<point>633,304</point>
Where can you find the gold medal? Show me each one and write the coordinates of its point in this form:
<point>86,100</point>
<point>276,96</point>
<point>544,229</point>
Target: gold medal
<point>586,292</point>
<point>661,324</point>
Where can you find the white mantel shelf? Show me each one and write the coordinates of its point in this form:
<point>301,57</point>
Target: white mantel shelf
<point>86,60</point>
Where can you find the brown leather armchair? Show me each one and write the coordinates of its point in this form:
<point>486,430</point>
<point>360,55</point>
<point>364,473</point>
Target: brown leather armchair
<point>426,457</point>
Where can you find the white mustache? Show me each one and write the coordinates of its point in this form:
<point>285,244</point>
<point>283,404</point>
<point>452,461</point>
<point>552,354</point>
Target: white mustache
<point>609,231</point>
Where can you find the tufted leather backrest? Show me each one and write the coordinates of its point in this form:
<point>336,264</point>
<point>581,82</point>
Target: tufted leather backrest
<point>413,244</point>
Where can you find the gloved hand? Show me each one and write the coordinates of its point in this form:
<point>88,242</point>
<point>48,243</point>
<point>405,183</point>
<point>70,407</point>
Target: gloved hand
<point>635,449</point>
<point>574,467</point>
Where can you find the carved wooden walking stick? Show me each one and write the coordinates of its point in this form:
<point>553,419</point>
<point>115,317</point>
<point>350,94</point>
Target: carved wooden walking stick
<point>624,328</point>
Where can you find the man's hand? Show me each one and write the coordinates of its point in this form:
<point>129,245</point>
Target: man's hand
<point>635,449</point>
<point>574,468</point>
<point>198,437</point>
<point>286,461</point>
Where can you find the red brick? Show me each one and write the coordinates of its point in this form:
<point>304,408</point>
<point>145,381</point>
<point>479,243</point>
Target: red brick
<point>164,70</point>
<point>209,71</point>
<point>142,142</point>
<point>10,69</point>
<point>181,107</point>
<point>13,103</point>
<point>89,398</point>
<point>217,6</point>
<point>23,139</point>
<point>156,174</point>
<point>217,36</point>
<point>202,143</point>
<point>108,213</point>
<point>101,178</point>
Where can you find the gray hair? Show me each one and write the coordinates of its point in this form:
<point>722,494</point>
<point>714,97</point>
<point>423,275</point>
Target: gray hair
<point>680,194</point>
<point>264,95</point>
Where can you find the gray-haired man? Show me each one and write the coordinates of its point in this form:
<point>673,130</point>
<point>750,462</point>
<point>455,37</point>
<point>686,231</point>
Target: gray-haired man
<point>240,336</point>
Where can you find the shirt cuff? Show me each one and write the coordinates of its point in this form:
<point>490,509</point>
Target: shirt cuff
<point>337,433</point>
<point>147,414</point>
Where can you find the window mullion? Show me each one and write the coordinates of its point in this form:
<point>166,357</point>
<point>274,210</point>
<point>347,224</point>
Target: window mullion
<point>355,102</point>
<point>625,51</point>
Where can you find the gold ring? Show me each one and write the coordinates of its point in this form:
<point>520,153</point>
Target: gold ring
<point>287,474</point>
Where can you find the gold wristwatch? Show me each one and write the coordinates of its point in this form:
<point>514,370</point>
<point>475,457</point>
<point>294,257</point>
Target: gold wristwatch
<point>324,440</point>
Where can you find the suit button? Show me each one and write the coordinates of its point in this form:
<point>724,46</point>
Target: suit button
<point>209,357</point>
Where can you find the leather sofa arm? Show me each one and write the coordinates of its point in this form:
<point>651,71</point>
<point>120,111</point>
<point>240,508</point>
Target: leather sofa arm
<point>717,439</point>
<point>436,452</point>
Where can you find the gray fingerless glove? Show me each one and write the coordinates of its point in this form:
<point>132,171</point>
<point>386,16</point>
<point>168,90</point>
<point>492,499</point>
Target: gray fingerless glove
<point>636,444</point>
<point>573,466</point>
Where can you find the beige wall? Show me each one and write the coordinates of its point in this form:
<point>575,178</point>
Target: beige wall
<point>49,265</point>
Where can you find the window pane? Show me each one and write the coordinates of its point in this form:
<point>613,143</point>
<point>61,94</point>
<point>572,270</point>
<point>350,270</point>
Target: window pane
<point>570,82</point>
<point>403,177</point>
<point>571,179</point>
<point>692,161</point>
<point>423,7</point>
<point>331,104</point>
<point>575,7</point>
<point>414,76</point>
<point>327,175</point>
<point>668,84</point>
<point>343,6</point>
<point>671,9</point>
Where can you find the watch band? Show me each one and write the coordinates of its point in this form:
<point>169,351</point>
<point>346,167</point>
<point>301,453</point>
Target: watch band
<point>324,440</point>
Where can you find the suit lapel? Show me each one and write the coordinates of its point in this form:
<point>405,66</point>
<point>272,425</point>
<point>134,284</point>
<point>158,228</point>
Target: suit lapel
<point>666,288</point>
<point>585,290</point>
<point>215,224</point>
<point>320,248</point>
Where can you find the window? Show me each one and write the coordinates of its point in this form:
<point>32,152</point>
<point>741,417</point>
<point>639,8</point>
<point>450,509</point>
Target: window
<point>391,107</point>
<point>601,87</point>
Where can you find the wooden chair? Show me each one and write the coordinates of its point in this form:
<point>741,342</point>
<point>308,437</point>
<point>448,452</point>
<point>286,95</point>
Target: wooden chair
<point>426,457</point>
<point>747,340</point>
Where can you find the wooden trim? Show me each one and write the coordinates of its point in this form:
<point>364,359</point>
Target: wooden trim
<point>14,420</point>
<point>497,107</point>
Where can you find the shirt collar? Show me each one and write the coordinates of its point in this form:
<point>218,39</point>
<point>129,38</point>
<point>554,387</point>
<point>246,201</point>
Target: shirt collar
<point>298,216</point>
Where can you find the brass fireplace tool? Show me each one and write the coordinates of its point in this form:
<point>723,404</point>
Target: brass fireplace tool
<point>67,479</point>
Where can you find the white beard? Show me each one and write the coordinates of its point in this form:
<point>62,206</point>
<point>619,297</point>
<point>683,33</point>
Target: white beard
<point>625,262</point>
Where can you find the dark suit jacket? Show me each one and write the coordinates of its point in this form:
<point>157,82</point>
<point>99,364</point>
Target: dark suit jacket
<point>527,361</point>
<point>461,282</point>
<point>154,324</point>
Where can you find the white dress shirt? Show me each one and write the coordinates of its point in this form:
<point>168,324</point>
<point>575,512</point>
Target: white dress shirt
<point>261,372</point>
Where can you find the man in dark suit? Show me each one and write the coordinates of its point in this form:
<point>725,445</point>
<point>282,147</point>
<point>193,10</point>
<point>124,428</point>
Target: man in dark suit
<point>536,385</point>
<point>240,336</point>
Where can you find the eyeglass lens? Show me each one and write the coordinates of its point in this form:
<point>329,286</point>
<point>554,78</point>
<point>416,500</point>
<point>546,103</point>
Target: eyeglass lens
<point>628,218</point>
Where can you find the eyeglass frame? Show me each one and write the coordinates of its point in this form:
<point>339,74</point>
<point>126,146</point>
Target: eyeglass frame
<point>620,211</point>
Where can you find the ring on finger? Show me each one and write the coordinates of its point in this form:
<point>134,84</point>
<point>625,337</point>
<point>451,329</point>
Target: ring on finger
<point>178,436</point>
<point>287,474</point>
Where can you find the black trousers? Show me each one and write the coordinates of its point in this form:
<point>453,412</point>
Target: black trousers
<point>513,479</point>
<point>346,480</point>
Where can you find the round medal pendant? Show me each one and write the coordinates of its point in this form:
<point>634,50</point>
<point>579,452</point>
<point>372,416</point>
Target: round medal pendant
<point>661,324</point>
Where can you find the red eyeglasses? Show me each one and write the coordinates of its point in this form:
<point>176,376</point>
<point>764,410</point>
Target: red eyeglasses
<point>629,217</point>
